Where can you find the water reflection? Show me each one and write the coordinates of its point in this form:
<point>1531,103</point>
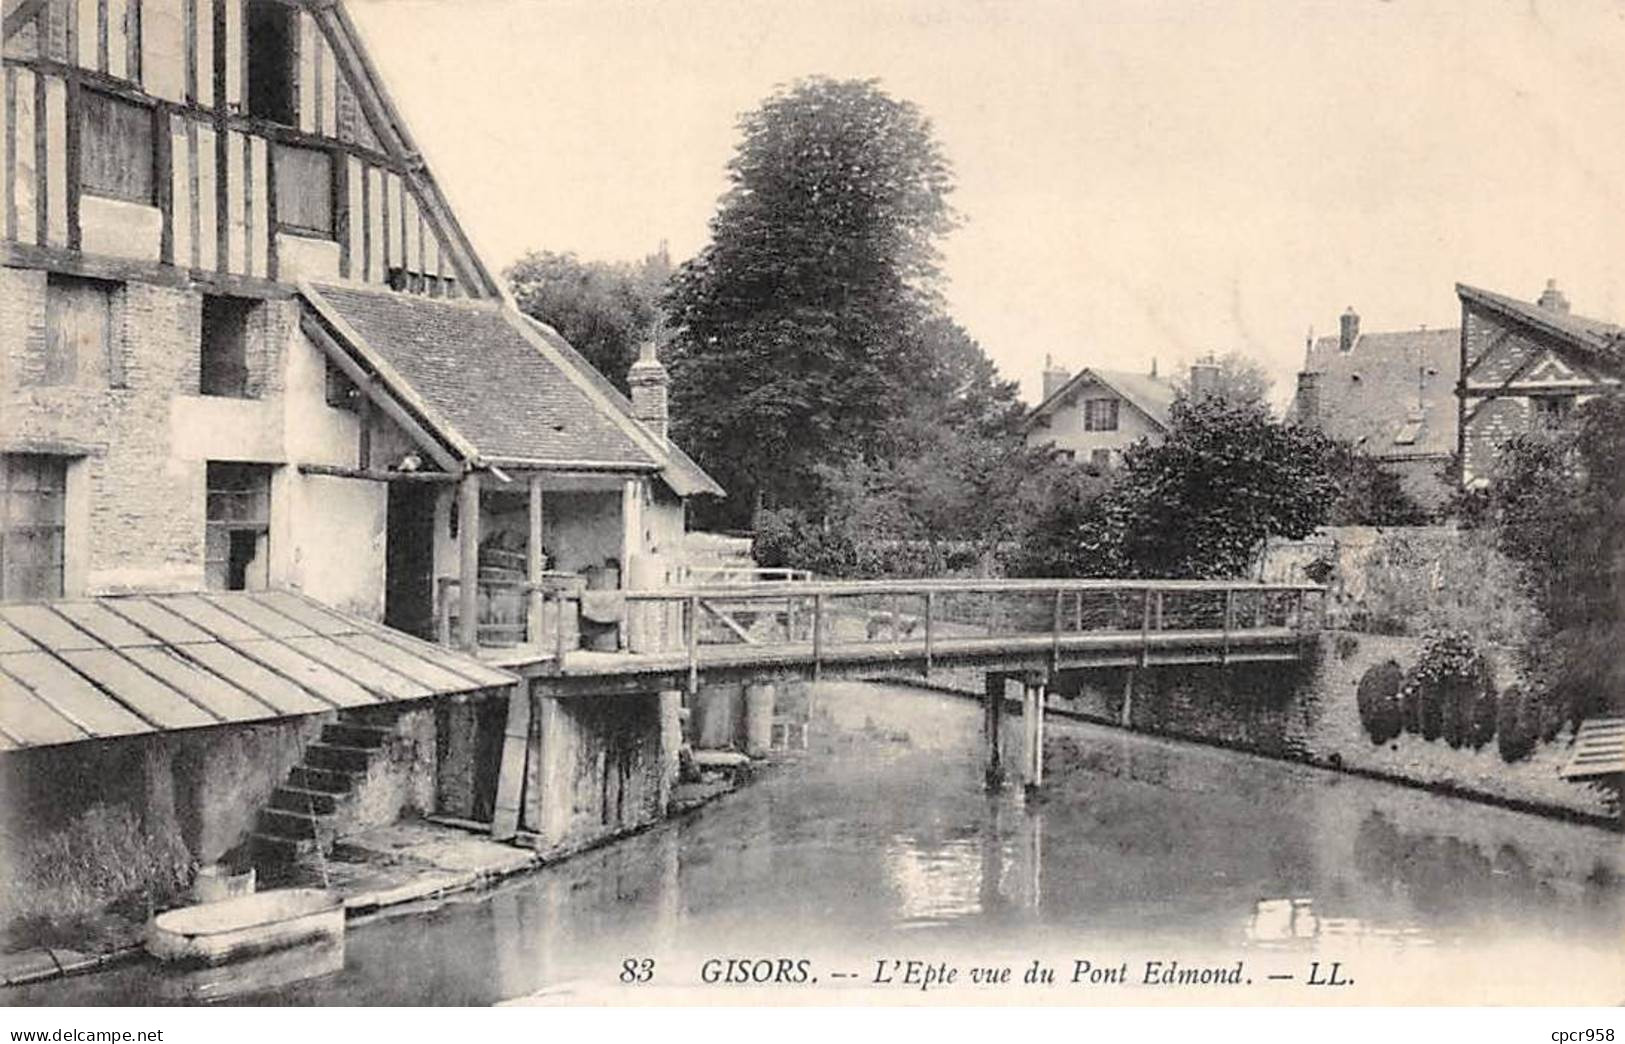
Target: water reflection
<point>880,838</point>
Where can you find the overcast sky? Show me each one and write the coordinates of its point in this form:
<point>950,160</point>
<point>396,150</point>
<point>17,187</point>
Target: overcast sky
<point>1136,179</point>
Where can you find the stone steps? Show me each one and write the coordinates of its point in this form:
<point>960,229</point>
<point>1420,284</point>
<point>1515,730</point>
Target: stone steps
<point>303,815</point>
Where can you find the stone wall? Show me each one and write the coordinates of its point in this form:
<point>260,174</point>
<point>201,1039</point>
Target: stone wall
<point>1308,713</point>
<point>180,800</point>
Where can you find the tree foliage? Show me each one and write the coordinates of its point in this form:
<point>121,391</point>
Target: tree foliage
<point>605,309</point>
<point>1557,505</point>
<point>1241,379</point>
<point>805,324</point>
<point>1226,477</point>
<point>1369,494</point>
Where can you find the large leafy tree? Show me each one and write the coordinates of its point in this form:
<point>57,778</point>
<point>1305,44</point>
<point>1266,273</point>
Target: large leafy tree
<point>1227,476</point>
<point>605,309</point>
<point>800,328</point>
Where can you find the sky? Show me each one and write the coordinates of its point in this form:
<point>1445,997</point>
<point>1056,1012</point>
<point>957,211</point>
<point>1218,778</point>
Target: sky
<point>1137,180</point>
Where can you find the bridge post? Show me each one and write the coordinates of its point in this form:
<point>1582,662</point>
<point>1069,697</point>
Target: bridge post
<point>1032,748</point>
<point>993,711</point>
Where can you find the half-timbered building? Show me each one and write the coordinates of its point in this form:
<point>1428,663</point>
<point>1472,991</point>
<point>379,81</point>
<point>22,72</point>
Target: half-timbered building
<point>274,445</point>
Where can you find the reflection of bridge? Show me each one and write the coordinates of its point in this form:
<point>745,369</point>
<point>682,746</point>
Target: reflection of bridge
<point>1017,631</point>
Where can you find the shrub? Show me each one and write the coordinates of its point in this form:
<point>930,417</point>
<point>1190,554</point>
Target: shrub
<point>1481,722</point>
<point>1378,700</point>
<point>1516,724</point>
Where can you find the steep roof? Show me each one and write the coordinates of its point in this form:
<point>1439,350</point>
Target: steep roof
<point>1152,396</point>
<point>1391,394</point>
<point>496,385</point>
<point>1595,338</point>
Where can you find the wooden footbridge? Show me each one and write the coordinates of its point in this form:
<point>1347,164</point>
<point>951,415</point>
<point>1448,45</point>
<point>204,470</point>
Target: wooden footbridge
<point>675,637</point>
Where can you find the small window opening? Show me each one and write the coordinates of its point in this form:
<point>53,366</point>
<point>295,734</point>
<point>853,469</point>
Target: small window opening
<point>272,31</point>
<point>33,527</point>
<point>238,527</point>
<point>342,393</point>
<point>224,368</point>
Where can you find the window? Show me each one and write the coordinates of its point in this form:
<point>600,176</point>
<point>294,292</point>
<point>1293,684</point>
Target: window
<point>1551,411</point>
<point>116,149</point>
<point>342,394</point>
<point>33,491</point>
<point>79,345</point>
<point>304,190</point>
<point>224,369</point>
<point>1100,415</point>
<point>237,532</point>
<point>273,32</point>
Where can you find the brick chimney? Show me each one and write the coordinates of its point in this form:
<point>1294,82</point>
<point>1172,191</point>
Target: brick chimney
<point>1349,330</point>
<point>1552,298</point>
<point>1309,399</point>
<point>1204,378</point>
<point>1055,377</point>
<point>649,382</point>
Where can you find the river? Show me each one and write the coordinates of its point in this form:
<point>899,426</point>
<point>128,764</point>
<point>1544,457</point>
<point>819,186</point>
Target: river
<point>1145,858</point>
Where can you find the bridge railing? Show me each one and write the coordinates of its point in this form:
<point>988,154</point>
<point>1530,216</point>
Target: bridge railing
<point>921,614</point>
<point>924,614</point>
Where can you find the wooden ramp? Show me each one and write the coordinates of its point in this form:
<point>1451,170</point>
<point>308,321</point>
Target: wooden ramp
<point>1599,750</point>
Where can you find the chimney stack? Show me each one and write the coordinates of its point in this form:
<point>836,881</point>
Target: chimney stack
<point>1552,298</point>
<point>649,382</point>
<point>1204,378</point>
<point>1309,399</point>
<point>1055,377</point>
<point>1349,331</point>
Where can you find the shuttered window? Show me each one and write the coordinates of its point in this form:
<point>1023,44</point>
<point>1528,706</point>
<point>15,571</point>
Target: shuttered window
<point>116,148</point>
<point>304,190</point>
<point>33,494</point>
<point>79,345</point>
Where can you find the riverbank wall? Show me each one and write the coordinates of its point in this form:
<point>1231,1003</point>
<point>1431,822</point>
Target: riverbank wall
<point>1308,712</point>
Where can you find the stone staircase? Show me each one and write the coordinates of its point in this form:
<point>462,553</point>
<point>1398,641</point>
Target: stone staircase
<point>308,812</point>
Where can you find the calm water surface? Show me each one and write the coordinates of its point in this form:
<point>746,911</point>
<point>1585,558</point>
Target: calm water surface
<point>880,844</point>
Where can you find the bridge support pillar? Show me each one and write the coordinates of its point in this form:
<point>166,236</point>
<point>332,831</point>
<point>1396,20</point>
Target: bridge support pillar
<point>759,700</point>
<point>671,742</point>
<point>1032,746</point>
<point>993,713</point>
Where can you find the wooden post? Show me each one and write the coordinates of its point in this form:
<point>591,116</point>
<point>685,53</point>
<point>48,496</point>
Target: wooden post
<point>534,564</point>
<point>1229,615</point>
<point>442,590</point>
<point>558,626</point>
<point>993,710</point>
<point>818,635</point>
<point>693,645</point>
<point>468,549</point>
<point>930,606</point>
<point>790,619</point>
<point>1055,643</point>
<point>1126,717</point>
<point>1145,630</point>
<point>511,773</point>
<point>631,530</point>
<point>1032,721</point>
<point>363,452</point>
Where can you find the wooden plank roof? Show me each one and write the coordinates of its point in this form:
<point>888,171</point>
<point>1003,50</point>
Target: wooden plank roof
<point>125,665</point>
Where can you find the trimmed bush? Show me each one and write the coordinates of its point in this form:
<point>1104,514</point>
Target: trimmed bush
<point>1378,700</point>
<point>1481,725</point>
<point>1517,724</point>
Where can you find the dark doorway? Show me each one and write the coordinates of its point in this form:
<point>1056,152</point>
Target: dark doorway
<point>409,559</point>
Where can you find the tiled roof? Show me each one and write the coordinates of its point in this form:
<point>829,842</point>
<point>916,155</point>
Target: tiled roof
<point>1391,394</point>
<point>1152,396</point>
<point>473,365</point>
<point>1595,337</point>
<point>120,666</point>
